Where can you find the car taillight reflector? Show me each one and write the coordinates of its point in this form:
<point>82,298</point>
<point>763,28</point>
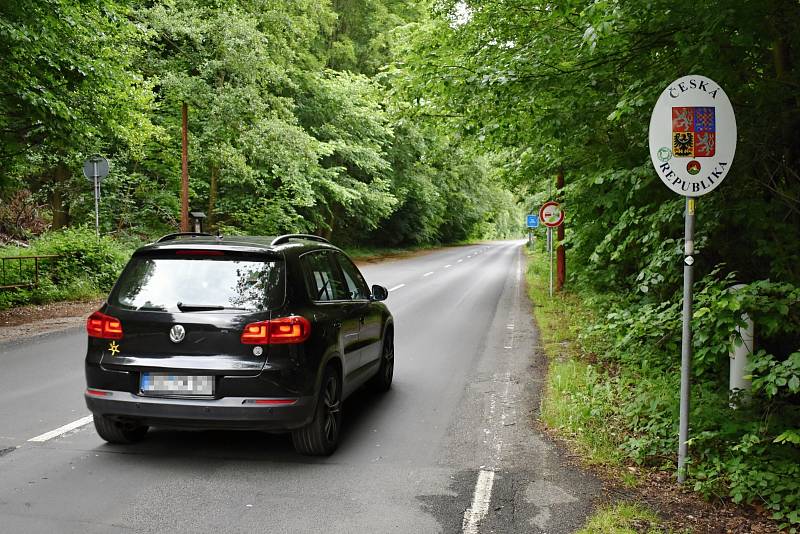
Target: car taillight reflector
<point>285,330</point>
<point>98,393</point>
<point>271,402</point>
<point>103,326</point>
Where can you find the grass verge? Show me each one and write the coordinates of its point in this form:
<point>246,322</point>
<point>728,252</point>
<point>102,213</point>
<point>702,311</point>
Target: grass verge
<point>574,399</point>
<point>577,405</point>
<point>622,518</point>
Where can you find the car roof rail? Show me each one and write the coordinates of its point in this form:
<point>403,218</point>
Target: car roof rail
<point>176,235</point>
<point>287,237</point>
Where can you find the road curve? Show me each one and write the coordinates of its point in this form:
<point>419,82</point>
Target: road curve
<point>451,448</point>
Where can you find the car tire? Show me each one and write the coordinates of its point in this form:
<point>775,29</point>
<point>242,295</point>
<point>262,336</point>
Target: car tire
<point>120,432</point>
<point>382,381</point>
<point>321,436</point>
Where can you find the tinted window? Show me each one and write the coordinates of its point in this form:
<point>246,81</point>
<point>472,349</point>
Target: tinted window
<point>321,277</point>
<point>356,286</point>
<point>160,283</point>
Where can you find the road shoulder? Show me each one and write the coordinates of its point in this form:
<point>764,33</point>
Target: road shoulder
<point>535,484</point>
<point>25,322</point>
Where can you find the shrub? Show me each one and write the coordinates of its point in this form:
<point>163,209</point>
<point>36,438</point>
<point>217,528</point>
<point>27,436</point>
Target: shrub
<point>750,453</point>
<point>87,267</point>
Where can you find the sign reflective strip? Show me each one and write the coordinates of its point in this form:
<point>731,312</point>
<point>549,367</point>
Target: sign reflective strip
<point>63,429</point>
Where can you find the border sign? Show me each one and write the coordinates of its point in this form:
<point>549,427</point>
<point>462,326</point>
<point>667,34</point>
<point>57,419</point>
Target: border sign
<point>692,136</point>
<point>692,143</point>
<point>551,214</point>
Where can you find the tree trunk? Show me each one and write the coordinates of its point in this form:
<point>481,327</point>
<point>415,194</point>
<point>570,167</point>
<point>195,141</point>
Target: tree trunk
<point>561,258</point>
<point>184,168</point>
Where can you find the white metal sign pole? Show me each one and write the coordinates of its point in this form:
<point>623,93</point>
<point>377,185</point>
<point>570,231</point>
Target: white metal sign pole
<point>95,169</point>
<point>686,337</point>
<point>692,142</point>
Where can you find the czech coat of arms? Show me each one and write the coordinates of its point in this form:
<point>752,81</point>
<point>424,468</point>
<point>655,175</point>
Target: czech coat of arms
<point>694,132</point>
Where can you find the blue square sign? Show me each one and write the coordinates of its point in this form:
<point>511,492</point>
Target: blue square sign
<point>533,221</point>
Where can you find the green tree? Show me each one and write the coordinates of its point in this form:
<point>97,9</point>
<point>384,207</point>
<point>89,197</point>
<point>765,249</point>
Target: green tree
<point>68,90</point>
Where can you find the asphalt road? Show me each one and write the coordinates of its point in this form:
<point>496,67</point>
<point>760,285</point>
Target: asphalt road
<point>451,448</point>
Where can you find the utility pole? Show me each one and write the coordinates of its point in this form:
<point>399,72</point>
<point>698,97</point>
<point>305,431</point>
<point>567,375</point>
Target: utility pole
<point>185,168</point>
<point>561,259</point>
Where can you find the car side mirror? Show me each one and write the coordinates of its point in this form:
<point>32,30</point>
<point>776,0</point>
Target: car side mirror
<point>379,292</point>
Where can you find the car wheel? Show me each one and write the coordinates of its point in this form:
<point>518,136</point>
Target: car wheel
<point>122,432</point>
<point>382,380</point>
<point>321,436</point>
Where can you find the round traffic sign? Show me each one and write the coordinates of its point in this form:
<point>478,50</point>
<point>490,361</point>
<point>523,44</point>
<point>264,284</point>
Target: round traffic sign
<point>692,135</point>
<point>95,167</point>
<point>551,214</point>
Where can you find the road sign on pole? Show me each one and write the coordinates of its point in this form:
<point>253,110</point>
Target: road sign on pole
<point>551,214</point>
<point>95,166</point>
<point>692,143</point>
<point>95,169</point>
<point>533,221</point>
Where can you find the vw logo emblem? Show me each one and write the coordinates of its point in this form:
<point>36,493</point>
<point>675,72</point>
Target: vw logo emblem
<point>177,333</point>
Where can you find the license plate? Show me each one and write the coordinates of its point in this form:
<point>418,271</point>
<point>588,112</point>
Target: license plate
<point>172,384</point>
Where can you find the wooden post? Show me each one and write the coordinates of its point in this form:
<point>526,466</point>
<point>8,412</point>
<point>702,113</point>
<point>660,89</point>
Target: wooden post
<point>561,259</point>
<point>185,169</point>
<point>212,198</point>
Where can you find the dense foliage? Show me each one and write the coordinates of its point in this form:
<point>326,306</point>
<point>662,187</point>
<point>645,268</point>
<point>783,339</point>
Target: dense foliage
<point>569,87</point>
<point>292,124</point>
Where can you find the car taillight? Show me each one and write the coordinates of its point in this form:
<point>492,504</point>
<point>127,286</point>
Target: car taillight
<point>103,326</point>
<point>285,330</point>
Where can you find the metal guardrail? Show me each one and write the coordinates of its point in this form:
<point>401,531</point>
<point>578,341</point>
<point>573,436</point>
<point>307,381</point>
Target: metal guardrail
<point>20,271</point>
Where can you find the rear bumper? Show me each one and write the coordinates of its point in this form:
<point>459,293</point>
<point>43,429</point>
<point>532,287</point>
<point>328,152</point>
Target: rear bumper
<point>227,412</point>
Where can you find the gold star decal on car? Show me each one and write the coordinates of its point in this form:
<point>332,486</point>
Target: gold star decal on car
<point>113,348</point>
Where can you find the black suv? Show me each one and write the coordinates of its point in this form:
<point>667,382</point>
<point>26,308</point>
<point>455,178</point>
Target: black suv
<point>236,332</point>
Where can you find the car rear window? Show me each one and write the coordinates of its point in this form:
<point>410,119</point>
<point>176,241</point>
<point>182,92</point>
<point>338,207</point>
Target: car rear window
<point>200,283</point>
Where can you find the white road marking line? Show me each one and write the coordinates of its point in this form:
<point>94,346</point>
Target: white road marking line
<point>428,273</point>
<point>447,266</point>
<point>480,502</point>
<point>63,429</point>
<point>395,288</point>
<point>510,341</point>
<point>459,261</point>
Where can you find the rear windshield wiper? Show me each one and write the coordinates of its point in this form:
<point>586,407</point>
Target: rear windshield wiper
<point>199,307</point>
<point>205,307</point>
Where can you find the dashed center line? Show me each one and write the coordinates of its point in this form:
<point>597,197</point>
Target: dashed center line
<point>63,429</point>
<point>428,273</point>
<point>447,266</point>
<point>395,288</point>
<point>459,261</point>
